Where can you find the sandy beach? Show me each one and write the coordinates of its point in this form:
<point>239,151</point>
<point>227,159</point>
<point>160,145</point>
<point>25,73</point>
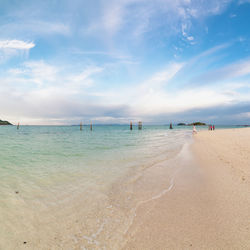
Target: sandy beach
<point>209,204</point>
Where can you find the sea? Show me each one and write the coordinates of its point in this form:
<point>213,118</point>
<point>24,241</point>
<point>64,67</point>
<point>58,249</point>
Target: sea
<point>63,188</point>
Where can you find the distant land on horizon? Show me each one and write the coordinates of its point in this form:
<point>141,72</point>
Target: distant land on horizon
<point>5,123</point>
<point>191,124</point>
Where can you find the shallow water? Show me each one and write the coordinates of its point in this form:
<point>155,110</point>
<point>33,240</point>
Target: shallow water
<point>62,188</point>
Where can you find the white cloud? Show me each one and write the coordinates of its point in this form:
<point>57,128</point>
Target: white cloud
<point>161,94</point>
<point>56,104</point>
<point>40,72</point>
<point>12,48</point>
<point>183,29</point>
<point>34,72</point>
<point>153,98</point>
<point>162,102</point>
<point>38,92</point>
<point>16,44</point>
<point>83,78</point>
<point>190,38</point>
<point>228,72</point>
<point>139,16</point>
<point>56,96</point>
<point>44,75</point>
<point>237,69</point>
<point>161,78</point>
<point>113,18</point>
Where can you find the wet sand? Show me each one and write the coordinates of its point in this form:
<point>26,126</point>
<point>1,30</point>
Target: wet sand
<point>209,204</point>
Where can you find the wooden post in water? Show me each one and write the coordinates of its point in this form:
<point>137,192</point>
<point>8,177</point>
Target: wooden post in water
<point>131,126</point>
<point>81,126</point>
<point>18,125</point>
<point>91,127</point>
<point>139,125</point>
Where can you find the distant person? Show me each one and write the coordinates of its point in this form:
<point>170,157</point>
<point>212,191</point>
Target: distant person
<point>213,127</point>
<point>194,130</point>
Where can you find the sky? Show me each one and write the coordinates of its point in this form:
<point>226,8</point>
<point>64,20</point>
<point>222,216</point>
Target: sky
<point>159,61</point>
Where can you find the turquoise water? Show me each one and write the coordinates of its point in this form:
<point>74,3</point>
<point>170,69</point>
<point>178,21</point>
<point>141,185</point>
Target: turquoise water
<point>43,152</point>
<point>58,180</point>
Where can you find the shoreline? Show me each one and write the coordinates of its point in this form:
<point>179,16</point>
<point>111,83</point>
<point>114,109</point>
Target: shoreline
<point>209,206</point>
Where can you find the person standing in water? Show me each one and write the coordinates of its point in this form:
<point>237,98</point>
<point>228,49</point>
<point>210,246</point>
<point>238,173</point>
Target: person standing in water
<point>194,130</point>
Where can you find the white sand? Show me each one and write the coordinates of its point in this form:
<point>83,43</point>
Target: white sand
<point>209,206</point>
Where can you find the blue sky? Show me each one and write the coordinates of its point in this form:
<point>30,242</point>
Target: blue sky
<point>117,61</point>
